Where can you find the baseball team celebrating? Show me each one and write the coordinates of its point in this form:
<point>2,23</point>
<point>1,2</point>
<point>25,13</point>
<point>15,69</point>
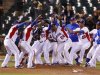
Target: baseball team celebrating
<point>65,43</point>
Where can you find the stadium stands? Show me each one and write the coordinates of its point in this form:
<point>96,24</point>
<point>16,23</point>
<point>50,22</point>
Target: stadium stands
<point>31,9</point>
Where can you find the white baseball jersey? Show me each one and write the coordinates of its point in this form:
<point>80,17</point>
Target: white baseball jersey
<point>93,32</point>
<point>44,34</point>
<point>84,36</point>
<point>52,36</point>
<point>13,33</point>
<point>61,37</point>
<point>28,34</point>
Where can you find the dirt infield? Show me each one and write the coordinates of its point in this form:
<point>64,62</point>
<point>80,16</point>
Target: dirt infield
<point>53,70</point>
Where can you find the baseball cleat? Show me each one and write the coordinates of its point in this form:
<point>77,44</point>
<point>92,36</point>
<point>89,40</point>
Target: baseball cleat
<point>4,66</point>
<point>19,67</point>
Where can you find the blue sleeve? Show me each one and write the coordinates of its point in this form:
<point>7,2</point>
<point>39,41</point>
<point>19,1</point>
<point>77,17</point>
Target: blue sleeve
<point>56,23</point>
<point>76,25</point>
<point>33,23</point>
<point>99,33</point>
<point>68,26</point>
<point>21,25</point>
<point>49,27</point>
<point>81,32</point>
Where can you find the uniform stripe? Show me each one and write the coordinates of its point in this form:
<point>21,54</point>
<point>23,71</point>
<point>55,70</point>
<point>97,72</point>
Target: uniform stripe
<point>64,32</point>
<point>28,33</point>
<point>13,32</point>
<point>47,33</point>
<point>88,36</point>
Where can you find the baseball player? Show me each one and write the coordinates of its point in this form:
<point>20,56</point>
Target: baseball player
<point>84,38</point>
<point>39,44</point>
<point>25,43</point>
<point>52,46</point>
<point>64,44</point>
<point>92,49</point>
<point>73,28</point>
<point>36,46</point>
<point>92,62</point>
<point>10,46</point>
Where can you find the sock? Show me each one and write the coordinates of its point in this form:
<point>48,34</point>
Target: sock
<point>77,60</point>
<point>87,60</point>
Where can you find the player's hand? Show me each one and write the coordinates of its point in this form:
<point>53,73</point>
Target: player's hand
<point>27,21</point>
<point>39,17</point>
<point>70,31</point>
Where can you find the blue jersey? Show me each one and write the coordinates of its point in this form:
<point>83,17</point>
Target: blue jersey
<point>73,36</point>
<point>98,35</point>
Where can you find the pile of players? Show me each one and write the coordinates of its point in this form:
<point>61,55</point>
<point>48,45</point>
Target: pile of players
<point>53,35</point>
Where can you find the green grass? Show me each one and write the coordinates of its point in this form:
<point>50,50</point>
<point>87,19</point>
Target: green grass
<point>12,63</point>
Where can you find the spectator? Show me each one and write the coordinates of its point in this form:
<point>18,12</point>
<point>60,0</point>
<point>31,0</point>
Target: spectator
<point>68,12</point>
<point>90,23</point>
<point>95,16</point>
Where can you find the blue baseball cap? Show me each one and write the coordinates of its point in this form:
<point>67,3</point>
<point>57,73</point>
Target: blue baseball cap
<point>82,21</point>
<point>72,19</point>
<point>98,23</point>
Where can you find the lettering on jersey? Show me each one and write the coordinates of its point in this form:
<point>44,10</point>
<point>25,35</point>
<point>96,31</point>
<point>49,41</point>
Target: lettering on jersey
<point>58,34</point>
<point>43,34</point>
<point>61,36</point>
<point>83,36</point>
<point>86,35</point>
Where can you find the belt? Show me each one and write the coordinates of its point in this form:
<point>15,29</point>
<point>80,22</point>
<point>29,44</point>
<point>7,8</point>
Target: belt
<point>7,38</point>
<point>52,41</point>
<point>42,41</point>
<point>61,41</point>
<point>23,40</point>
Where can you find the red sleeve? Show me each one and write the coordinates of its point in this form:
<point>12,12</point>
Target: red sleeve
<point>28,33</point>
<point>13,32</point>
<point>47,32</point>
<point>88,36</point>
<point>64,32</point>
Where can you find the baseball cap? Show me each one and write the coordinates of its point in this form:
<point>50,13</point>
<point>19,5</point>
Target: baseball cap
<point>47,21</point>
<point>82,21</point>
<point>16,22</point>
<point>72,19</point>
<point>98,23</point>
<point>52,14</point>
